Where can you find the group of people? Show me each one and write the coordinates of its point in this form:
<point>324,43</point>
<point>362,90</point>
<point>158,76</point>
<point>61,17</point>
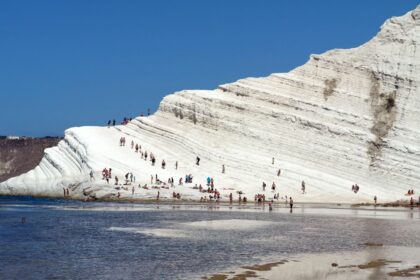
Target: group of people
<point>106,174</point>
<point>122,141</point>
<point>124,121</point>
<point>66,192</point>
<point>355,188</point>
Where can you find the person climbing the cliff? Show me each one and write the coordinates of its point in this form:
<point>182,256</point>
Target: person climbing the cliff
<point>91,175</point>
<point>223,168</point>
<point>273,186</point>
<point>116,180</point>
<point>279,172</point>
<point>132,144</point>
<point>176,165</point>
<point>303,187</point>
<point>264,185</point>
<point>197,161</point>
<point>137,148</point>
<point>163,164</point>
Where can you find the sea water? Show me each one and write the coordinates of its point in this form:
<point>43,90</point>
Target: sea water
<point>64,239</point>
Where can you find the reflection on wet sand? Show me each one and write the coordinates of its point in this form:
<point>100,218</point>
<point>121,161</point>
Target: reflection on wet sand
<point>370,263</point>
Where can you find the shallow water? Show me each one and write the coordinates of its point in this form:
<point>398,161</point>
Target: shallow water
<point>64,239</point>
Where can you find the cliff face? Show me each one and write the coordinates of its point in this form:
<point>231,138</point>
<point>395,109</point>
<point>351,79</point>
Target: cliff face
<point>346,116</point>
<point>19,155</point>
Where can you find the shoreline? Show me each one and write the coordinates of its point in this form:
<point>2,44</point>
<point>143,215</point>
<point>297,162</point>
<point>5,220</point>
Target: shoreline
<point>395,204</point>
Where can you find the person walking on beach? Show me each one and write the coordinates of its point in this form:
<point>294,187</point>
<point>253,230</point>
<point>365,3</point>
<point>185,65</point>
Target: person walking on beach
<point>291,202</point>
<point>375,199</point>
<point>158,195</point>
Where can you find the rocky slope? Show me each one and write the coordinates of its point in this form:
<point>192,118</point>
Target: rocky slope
<point>346,116</point>
<point>19,155</point>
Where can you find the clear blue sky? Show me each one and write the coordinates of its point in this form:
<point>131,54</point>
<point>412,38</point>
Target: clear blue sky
<point>73,63</point>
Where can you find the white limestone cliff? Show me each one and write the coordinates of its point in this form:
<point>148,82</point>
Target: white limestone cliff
<point>346,116</point>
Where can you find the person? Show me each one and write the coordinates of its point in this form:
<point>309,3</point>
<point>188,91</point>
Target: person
<point>163,164</point>
<point>208,181</point>
<point>176,165</point>
<point>116,180</point>
<point>109,123</point>
<point>272,161</point>
<point>118,195</point>
<point>64,191</point>
<point>291,202</point>
<point>113,122</point>
<point>197,161</point>
<point>411,202</point>
<point>230,198</point>
<point>303,187</point>
<point>263,186</point>
<point>223,168</point>
<point>131,177</point>
<point>148,111</point>
<point>137,148</point>
<point>375,199</point>
<point>273,186</point>
<point>270,206</point>
<point>132,190</point>
<point>158,195</point>
<point>279,172</point>
<point>132,144</point>
<point>91,175</point>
